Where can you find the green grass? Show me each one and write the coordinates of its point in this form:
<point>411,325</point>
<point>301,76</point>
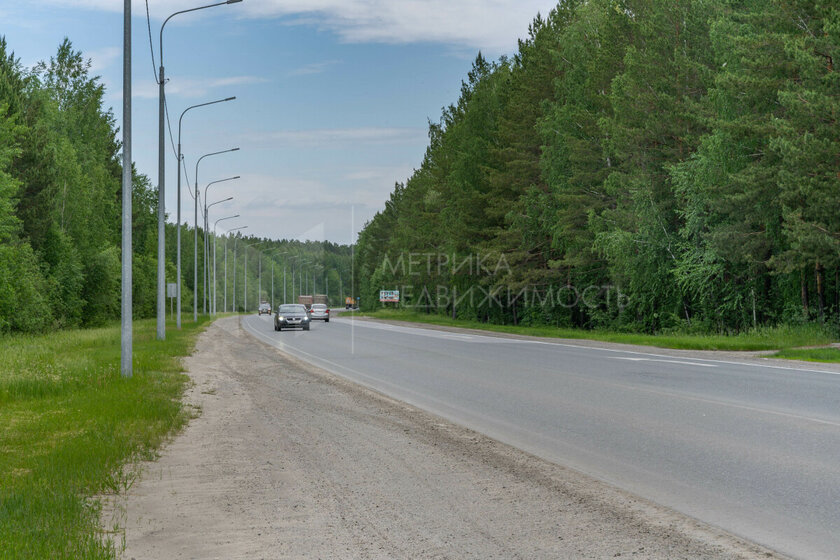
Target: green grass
<point>810,354</point>
<point>69,423</point>
<point>760,339</point>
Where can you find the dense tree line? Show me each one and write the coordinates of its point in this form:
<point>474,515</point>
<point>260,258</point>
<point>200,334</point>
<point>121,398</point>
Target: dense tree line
<point>60,210</point>
<point>637,164</point>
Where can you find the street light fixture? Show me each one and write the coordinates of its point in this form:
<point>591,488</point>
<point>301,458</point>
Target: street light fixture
<point>195,254</point>
<point>245,287</point>
<point>180,162</point>
<point>161,275</point>
<point>293,279</point>
<point>272,272</point>
<point>234,266</point>
<point>206,227</point>
<point>207,247</point>
<point>215,295</point>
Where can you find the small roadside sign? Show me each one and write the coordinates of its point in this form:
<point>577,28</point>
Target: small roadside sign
<point>171,293</point>
<point>389,296</point>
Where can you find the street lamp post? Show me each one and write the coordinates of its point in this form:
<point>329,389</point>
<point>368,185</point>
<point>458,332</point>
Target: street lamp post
<point>195,255</point>
<point>272,272</point>
<point>245,288</point>
<point>215,295</point>
<point>207,248</point>
<point>300,278</point>
<point>293,278</point>
<point>234,267</point>
<point>161,275</point>
<point>126,308</point>
<point>206,227</point>
<point>180,162</point>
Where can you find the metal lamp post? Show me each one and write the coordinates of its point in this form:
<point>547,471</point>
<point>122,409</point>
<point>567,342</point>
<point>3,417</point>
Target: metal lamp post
<point>161,275</point>
<point>206,227</point>
<point>207,249</point>
<point>215,295</point>
<point>180,162</point>
<point>234,267</point>
<point>293,277</point>
<point>300,277</point>
<point>272,272</point>
<point>315,266</point>
<point>245,288</point>
<point>126,258</point>
<point>195,255</point>
<point>235,242</point>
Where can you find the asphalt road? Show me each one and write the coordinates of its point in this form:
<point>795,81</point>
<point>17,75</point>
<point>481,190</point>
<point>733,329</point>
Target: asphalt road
<point>752,448</point>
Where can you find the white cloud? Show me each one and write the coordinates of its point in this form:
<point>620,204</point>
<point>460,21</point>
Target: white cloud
<point>319,137</point>
<point>101,59</point>
<point>490,25</point>
<point>191,88</point>
<point>315,68</point>
<point>295,208</point>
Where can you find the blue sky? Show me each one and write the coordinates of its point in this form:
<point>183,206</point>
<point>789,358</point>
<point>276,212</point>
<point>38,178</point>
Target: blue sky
<point>333,96</point>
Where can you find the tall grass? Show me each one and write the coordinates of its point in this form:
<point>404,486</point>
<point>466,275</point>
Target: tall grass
<point>774,338</point>
<point>830,355</point>
<point>69,423</point>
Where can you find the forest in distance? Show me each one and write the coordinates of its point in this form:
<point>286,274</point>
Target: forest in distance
<point>636,165</point>
<point>60,214</point>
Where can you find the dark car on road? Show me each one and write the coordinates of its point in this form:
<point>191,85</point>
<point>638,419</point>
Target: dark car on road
<point>319,312</point>
<point>265,307</point>
<point>291,315</point>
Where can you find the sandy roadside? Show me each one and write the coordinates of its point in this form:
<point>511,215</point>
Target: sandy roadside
<point>287,461</point>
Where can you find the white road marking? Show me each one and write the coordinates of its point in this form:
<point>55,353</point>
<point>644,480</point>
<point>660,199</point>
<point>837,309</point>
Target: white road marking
<point>372,380</point>
<point>657,360</point>
<point>482,338</point>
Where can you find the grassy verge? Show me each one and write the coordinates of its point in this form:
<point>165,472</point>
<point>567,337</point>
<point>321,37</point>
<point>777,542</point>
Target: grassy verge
<point>69,422</point>
<point>760,339</point>
<point>810,354</point>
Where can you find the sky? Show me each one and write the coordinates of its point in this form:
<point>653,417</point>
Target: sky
<point>333,97</point>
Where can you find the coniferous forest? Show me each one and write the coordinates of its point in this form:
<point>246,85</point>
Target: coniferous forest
<point>60,213</point>
<point>636,165</point>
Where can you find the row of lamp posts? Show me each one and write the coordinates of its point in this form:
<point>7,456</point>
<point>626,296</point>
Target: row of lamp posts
<point>161,279</point>
<point>161,276</point>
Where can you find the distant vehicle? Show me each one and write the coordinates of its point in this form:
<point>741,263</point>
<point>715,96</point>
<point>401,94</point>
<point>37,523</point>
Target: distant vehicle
<point>265,307</point>
<point>306,300</point>
<point>319,312</point>
<point>349,302</point>
<point>321,298</point>
<point>291,315</point>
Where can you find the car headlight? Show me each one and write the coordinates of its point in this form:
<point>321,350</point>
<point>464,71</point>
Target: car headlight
<point>281,318</point>
<point>306,318</point>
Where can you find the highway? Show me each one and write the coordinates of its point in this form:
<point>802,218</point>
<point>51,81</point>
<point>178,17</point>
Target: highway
<point>751,447</point>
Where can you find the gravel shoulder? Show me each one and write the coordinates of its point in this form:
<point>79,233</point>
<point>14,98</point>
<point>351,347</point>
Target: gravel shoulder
<point>287,461</point>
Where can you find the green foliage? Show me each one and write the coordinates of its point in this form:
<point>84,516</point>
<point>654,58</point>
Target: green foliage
<point>102,287</point>
<point>60,219</point>
<point>680,155</point>
<point>831,355</point>
<point>23,302</point>
<point>66,277</point>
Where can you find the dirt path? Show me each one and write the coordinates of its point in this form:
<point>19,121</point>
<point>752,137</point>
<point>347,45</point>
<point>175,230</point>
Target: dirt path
<point>286,461</point>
